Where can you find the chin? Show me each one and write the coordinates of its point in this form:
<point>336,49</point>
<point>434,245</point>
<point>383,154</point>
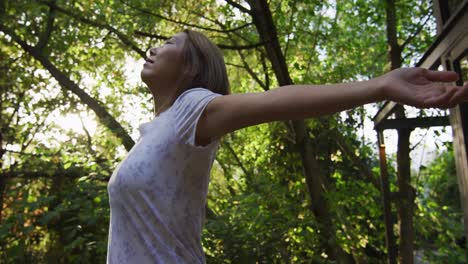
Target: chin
<point>145,77</point>
<point>142,76</point>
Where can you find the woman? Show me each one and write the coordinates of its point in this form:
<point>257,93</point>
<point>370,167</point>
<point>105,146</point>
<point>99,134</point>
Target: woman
<point>158,192</point>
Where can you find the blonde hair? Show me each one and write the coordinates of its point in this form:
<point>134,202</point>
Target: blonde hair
<point>204,63</point>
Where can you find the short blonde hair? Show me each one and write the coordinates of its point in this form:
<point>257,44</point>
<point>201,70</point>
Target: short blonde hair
<point>205,64</point>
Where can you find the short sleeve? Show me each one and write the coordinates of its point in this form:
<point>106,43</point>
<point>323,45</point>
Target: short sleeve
<point>187,110</point>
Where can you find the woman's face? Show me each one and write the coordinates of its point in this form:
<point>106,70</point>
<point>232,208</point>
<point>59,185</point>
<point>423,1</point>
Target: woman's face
<point>164,66</point>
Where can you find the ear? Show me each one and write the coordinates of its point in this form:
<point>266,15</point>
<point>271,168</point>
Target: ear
<point>187,76</point>
<point>190,73</point>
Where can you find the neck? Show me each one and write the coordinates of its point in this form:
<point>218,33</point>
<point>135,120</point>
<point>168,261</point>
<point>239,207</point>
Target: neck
<point>163,95</point>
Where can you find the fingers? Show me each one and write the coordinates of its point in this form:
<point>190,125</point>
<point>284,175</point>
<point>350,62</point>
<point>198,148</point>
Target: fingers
<point>443,100</point>
<point>441,76</point>
<point>460,96</point>
<point>452,96</point>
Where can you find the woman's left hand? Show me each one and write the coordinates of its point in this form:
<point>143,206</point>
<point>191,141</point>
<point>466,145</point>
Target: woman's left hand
<point>423,88</point>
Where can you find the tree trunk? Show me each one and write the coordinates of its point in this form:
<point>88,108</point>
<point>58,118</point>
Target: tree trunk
<point>394,54</point>
<point>405,204</point>
<point>314,174</point>
<point>2,195</point>
<point>2,176</point>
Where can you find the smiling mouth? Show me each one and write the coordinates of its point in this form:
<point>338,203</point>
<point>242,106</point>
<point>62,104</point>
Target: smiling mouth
<point>149,61</point>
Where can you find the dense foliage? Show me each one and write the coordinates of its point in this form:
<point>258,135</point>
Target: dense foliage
<point>69,60</point>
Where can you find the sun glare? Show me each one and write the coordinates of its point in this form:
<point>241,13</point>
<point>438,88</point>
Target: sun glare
<point>77,123</point>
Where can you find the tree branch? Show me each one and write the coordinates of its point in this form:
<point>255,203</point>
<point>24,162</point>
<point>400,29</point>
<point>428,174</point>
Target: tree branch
<point>124,38</point>
<point>223,30</point>
<point>229,187</point>
<point>238,6</point>
<point>235,65</point>
<point>45,36</point>
<point>221,25</point>
<point>241,47</point>
<point>265,71</point>
<point>150,35</point>
<point>251,72</point>
<point>89,139</point>
<point>149,12</point>
<point>412,36</point>
<point>248,173</point>
<point>221,46</point>
<point>25,145</point>
<point>246,65</point>
<point>239,162</point>
<point>22,153</point>
<point>17,105</point>
<point>104,116</point>
<point>345,147</point>
<point>59,172</point>
<point>294,9</point>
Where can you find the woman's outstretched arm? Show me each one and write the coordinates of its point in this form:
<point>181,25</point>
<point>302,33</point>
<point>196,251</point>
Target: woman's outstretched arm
<point>412,86</point>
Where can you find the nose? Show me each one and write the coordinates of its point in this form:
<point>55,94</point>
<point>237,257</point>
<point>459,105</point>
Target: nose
<point>152,51</point>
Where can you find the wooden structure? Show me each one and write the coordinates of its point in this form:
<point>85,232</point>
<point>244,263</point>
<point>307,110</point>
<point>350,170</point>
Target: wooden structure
<point>449,50</point>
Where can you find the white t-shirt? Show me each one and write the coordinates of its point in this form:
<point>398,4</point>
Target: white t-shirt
<point>157,194</point>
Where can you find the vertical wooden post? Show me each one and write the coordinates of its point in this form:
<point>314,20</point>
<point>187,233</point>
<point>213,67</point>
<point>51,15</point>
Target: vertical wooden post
<point>406,193</point>
<point>458,115</point>
<point>459,122</point>
<point>389,236</point>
